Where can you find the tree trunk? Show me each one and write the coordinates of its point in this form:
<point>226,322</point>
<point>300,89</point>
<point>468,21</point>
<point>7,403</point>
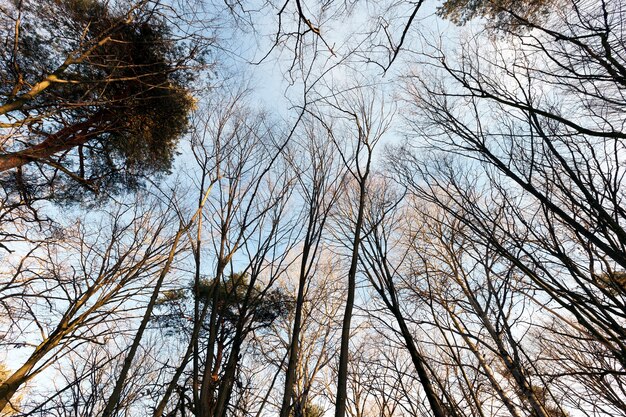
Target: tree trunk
<point>128,361</point>
<point>294,346</point>
<point>342,375</point>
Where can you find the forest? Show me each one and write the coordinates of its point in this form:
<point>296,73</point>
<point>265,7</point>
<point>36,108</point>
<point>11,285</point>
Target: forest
<point>313,208</point>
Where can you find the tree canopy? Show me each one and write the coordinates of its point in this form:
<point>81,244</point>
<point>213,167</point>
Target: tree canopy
<point>501,12</point>
<point>94,96</point>
<point>378,209</point>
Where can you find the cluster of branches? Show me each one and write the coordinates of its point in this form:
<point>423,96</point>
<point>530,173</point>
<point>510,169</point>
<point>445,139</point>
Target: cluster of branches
<point>477,269</point>
<point>93,97</point>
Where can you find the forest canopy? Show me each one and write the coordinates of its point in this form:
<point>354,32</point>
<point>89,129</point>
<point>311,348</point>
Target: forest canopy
<point>306,209</point>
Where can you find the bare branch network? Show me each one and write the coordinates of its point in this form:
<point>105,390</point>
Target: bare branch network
<point>304,208</point>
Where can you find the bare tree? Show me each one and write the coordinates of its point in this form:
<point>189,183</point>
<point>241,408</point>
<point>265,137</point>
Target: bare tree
<point>71,290</point>
<point>319,183</point>
<point>544,128</point>
<point>362,117</point>
<point>248,228</point>
<point>383,268</point>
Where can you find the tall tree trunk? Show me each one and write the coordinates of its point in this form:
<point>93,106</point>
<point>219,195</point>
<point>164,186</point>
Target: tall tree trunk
<point>117,391</point>
<point>9,387</point>
<point>294,346</point>
<point>342,375</point>
<point>416,357</point>
<point>206,401</point>
<point>130,357</point>
<point>483,363</point>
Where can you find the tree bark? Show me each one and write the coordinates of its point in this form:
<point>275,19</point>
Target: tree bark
<point>63,140</point>
<point>342,375</point>
<point>294,346</point>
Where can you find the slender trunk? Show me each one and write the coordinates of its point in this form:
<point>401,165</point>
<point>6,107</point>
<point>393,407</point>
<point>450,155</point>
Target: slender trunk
<point>128,361</point>
<point>294,346</point>
<point>387,290</point>
<point>342,375</point>
<point>513,365</point>
<point>483,364</point>
<point>206,401</point>
<point>9,387</point>
<point>226,384</point>
<point>171,386</point>
<point>418,362</point>
<point>271,387</point>
<point>191,349</point>
<point>196,303</point>
<point>204,406</point>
